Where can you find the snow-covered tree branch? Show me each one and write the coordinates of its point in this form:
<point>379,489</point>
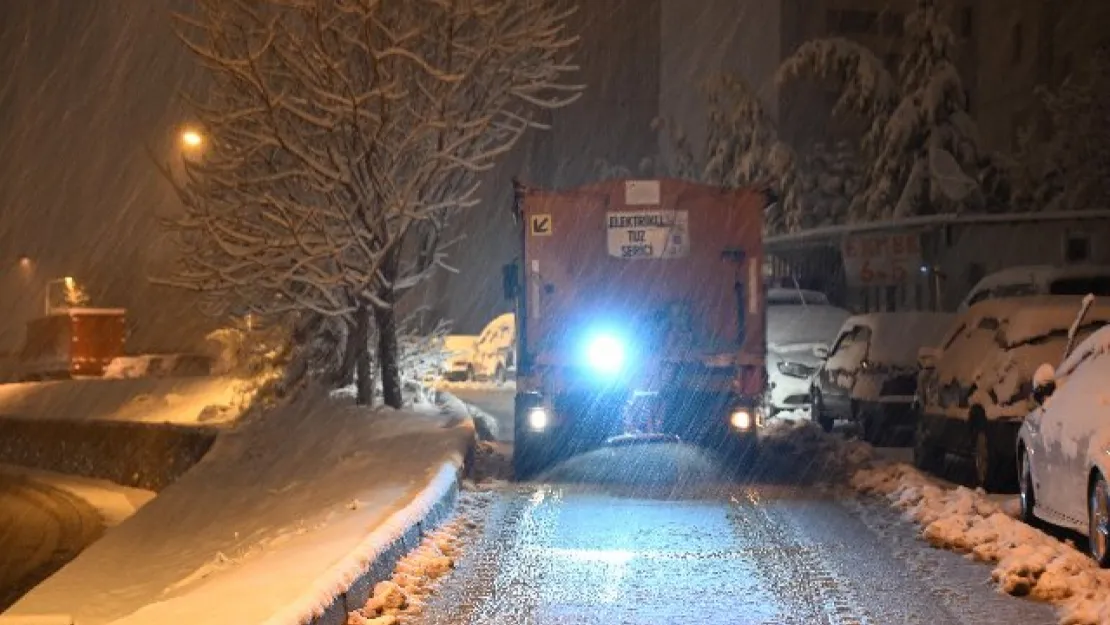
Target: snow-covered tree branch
<point>921,148</point>
<point>342,136</point>
<point>1072,170</point>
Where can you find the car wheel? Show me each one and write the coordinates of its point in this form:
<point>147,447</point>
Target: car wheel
<point>1026,497</point>
<point>818,413</point>
<point>499,375</point>
<point>1098,532</point>
<point>927,456</point>
<point>469,373</point>
<point>990,475</point>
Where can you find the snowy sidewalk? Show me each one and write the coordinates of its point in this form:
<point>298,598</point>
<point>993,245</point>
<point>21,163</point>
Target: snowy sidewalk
<point>272,526</point>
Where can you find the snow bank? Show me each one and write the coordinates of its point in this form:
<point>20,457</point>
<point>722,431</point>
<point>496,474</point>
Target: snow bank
<point>274,524</point>
<point>509,385</point>
<point>1028,561</point>
<point>182,401</point>
<point>418,574</point>
<point>114,503</point>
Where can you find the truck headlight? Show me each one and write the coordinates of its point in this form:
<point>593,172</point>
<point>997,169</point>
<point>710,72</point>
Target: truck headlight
<point>537,419</point>
<point>605,354</point>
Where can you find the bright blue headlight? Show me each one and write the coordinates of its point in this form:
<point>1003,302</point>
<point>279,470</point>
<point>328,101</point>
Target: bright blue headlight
<point>605,354</point>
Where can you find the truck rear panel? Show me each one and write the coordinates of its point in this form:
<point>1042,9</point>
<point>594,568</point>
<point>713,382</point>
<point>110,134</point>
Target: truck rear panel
<point>638,302</point>
<point>607,254</point>
<point>76,342</point>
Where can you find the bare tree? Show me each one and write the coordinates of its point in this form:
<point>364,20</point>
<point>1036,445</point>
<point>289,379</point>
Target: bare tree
<point>343,135</point>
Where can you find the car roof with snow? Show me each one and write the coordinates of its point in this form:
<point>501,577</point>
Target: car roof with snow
<point>1038,276</point>
<point>1025,319</point>
<point>897,336</point>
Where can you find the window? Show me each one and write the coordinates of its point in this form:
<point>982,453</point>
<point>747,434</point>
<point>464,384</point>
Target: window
<point>988,323</point>
<point>1077,248</point>
<point>1097,285</point>
<point>845,340</point>
<point>1017,43</point>
<point>967,22</point>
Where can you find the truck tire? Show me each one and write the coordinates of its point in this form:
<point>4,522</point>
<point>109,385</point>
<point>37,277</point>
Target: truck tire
<point>927,456</point>
<point>529,459</point>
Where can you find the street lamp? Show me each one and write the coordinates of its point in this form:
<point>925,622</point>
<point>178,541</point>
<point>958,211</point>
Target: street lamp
<point>191,139</point>
<point>70,285</point>
<point>25,263</point>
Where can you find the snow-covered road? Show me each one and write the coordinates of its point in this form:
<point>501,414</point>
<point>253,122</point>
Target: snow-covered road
<point>41,529</point>
<point>610,551</point>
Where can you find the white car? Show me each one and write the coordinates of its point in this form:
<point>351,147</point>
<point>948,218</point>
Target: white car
<point>1064,446</point>
<point>495,353</point>
<point>799,324</point>
<point>975,390</point>
<point>1040,280</point>
<point>458,363</point>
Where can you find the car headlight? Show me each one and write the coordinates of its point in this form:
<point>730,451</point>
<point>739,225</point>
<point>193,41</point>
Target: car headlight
<point>742,419</point>
<point>537,419</point>
<point>605,354</point>
<point>796,370</point>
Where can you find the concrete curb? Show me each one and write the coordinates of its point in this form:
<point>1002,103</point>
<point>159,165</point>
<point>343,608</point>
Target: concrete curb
<point>381,567</point>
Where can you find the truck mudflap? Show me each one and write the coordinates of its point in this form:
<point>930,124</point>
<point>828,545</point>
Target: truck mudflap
<point>550,430</point>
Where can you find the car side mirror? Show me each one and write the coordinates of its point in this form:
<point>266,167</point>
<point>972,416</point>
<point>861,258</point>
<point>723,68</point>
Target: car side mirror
<point>927,357</point>
<point>509,280</point>
<point>821,351</point>
<point>1044,383</point>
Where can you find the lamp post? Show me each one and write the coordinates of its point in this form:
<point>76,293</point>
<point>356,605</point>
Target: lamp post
<point>70,285</point>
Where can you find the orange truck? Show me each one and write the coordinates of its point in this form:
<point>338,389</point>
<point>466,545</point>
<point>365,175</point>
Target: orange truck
<point>73,342</point>
<point>640,310</point>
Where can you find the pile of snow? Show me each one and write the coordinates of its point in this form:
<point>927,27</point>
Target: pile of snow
<point>275,522</point>
<point>1028,561</point>
<point>418,574</point>
<point>492,464</point>
<point>490,385</point>
<point>804,446</point>
<point>181,401</point>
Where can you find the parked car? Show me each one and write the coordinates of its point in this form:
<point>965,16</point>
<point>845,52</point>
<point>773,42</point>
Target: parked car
<point>798,324</point>
<point>495,353</point>
<point>1040,280</point>
<point>1062,446</point>
<point>974,391</point>
<point>458,361</point>
<point>869,376</point>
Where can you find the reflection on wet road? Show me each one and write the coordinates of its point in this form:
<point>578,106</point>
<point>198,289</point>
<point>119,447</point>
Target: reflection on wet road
<point>605,551</point>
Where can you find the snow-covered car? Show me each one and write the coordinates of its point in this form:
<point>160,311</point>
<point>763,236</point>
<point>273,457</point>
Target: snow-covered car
<point>458,361</point>
<point>869,375</point>
<point>1034,280</point>
<point>975,389</point>
<point>794,334</point>
<point>1063,447</point>
<point>495,353</point>
<point>779,296</point>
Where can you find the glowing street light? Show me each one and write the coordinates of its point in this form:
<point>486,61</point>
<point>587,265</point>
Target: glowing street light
<point>70,285</point>
<point>192,139</point>
<point>25,263</point>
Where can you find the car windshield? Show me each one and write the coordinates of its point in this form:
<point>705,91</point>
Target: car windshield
<point>1098,285</point>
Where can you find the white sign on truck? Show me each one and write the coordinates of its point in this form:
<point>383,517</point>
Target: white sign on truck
<point>648,234</point>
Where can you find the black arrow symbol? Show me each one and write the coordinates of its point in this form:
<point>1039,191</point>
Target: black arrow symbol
<point>541,225</point>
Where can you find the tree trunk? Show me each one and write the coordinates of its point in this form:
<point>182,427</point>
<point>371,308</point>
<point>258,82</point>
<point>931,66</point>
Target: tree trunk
<point>388,356</point>
<point>364,372</point>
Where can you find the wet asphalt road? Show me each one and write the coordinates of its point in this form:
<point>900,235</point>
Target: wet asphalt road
<point>41,529</point>
<point>596,545</point>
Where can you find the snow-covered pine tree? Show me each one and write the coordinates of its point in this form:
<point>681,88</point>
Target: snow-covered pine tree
<point>921,148</point>
<point>341,138</point>
<point>741,145</point>
<point>1072,170</point>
